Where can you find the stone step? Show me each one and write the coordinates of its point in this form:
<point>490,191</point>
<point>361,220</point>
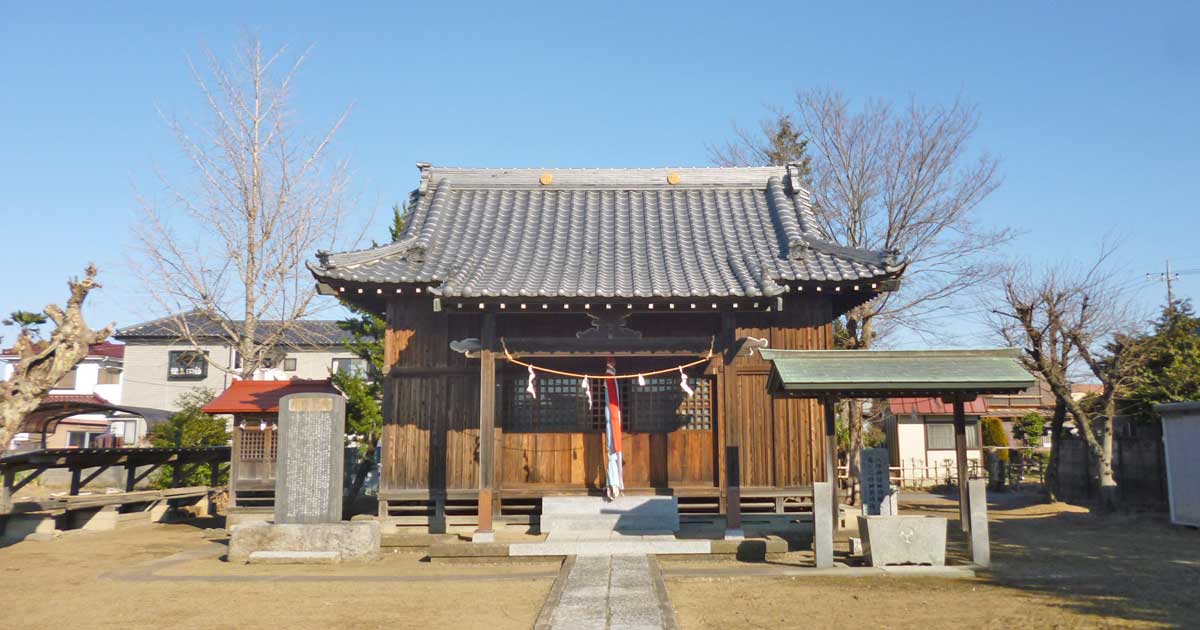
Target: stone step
<point>641,505</point>
<point>294,557</point>
<point>647,546</point>
<point>664,523</point>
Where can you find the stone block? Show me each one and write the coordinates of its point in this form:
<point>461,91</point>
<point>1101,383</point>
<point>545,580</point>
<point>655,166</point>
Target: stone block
<point>856,546</point>
<point>158,511</point>
<point>351,541</point>
<point>903,539</point>
<point>95,520</point>
<point>30,527</point>
<point>823,524</point>
<point>294,557</point>
<point>981,546</point>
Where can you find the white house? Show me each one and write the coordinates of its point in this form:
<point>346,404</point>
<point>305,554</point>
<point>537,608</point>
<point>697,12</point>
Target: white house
<point>160,365</point>
<point>920,439</point>
<point>98,378</point>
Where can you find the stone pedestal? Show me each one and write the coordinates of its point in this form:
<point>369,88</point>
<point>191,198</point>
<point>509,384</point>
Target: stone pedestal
<point>903,539</point>
<point>95,520</point>
<point>355,541</point>
<point>29,527</point>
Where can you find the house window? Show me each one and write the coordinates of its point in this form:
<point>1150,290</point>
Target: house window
<point>289,364</point>
<point>67,381</point>
<point>110,376</point>
<point>83,439</point>
<point>354,367</point>
<point>187,365</point>
<point>939,436</point>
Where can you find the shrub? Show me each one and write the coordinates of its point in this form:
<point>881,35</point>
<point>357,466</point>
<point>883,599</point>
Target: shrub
<point>189,427</point>
<point>993,434</point>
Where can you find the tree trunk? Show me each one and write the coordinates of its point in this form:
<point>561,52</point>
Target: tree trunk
<point>854,457</point>
<point>1107,497</point>
<point>1057,422</point>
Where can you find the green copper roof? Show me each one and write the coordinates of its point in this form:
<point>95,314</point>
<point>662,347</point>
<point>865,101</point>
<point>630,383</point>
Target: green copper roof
<point>869,373</point>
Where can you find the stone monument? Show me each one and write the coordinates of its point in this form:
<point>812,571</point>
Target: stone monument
<point>308,474</point>
<point>308,526</point>
<point>878,496</point>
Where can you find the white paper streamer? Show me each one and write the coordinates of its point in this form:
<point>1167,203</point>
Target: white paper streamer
<point>587,387</point>
<point>684,384</point>
<point>262,426</point>
<point>641,381</point>
<point>529,388</point>
<point>242,426</point>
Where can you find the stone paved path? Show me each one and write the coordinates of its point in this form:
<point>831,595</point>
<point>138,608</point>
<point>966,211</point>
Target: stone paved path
<point>611,592</point>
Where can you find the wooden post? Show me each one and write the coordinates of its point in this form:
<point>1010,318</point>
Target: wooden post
<point>6,490</point>
<point>214,478</point>
<point>487,425</point>
<point>960,454</point>
<point>76,473</point>
<point>130,477</point>
<point>831,469</point>
<point>733,476</point>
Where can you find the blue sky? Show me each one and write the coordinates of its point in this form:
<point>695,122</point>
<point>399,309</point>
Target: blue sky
<point>1092,107</point>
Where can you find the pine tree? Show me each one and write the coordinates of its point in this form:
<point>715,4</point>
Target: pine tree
<point>1171,371</point>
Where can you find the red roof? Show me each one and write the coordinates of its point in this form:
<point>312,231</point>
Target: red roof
<point>103,349</point>
<point>75,398</point>
<point>933,407</point>
<point>263,396</point>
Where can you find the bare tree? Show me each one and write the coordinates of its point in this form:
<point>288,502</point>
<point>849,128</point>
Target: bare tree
<point>895,179</point>
<point>41,364</point>
<point>231,242</point>
<point>1068,321</point>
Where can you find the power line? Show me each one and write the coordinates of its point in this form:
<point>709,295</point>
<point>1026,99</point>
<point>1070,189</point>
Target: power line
<point>1169,277</point>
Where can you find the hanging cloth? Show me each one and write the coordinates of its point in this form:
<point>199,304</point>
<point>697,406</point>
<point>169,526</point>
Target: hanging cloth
<point>615,474</point>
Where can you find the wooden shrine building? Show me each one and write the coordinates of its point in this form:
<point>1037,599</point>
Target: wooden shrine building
<point>562,269</point>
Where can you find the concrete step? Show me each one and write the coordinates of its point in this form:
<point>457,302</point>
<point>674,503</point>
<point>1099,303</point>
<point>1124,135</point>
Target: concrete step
<point>628,523</point>
<point>294,557</point>
<point>647,546</point>
<point>641,505</point>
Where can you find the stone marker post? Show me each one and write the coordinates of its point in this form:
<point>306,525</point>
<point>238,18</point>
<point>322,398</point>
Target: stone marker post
<point>877,496</point>
<point>309,468</point>
<point>981,545</point>
<point>823,524</point>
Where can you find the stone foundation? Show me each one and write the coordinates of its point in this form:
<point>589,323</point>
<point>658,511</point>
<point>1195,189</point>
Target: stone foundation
<point>891,540</point>
<point>356,541</point>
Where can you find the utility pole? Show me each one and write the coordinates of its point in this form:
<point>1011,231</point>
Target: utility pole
<point>1170,277</point>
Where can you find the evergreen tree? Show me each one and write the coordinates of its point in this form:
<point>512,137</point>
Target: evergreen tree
<point>1171,371</point>
<point>189,427</point>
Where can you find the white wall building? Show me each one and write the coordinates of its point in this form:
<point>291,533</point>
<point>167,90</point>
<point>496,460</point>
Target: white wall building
<point>920,439</point>
<point>160,366</point>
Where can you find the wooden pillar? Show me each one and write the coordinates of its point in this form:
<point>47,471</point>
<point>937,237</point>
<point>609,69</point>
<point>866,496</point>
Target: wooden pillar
<point>6,490</point>
<point>831,469</point>
<point>487,425</point>
<point>960,454</point>
<point>76,473</point>
<point>733,460</point>
<point>130,477</point>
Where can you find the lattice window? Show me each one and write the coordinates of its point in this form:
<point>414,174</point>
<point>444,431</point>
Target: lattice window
<point>660,406</point>
<point>259,445</point>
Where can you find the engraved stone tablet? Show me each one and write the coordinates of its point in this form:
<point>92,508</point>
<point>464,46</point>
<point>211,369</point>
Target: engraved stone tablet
<point>876,486</point>
<point>308,478</point>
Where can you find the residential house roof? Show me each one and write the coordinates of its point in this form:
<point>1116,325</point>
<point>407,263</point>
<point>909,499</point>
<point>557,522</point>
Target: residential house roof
<point>627,233</point>
<point>104,349</point>
<point>308,332</point>
<point>934,407</point>
<point>261,397</point>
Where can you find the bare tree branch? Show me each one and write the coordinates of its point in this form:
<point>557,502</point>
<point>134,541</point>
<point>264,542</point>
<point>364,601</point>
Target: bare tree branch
<point>230,244</point>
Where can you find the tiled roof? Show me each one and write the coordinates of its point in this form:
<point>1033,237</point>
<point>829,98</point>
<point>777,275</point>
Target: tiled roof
<point>104,349</point>
<point>60,399</point>
<point>719,232</point>
<point>263,396</point>
<point>309,332</point>
<point>934,407</point>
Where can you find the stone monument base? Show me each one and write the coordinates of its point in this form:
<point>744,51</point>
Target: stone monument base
<point>355,541</point>
<point>903,539</point>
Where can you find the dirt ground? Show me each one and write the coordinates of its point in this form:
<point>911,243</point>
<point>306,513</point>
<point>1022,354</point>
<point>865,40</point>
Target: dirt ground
<point>99,580</point>
<point>1054,566</point>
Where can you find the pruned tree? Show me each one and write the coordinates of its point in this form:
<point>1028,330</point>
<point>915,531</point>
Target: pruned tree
<point>28,322</point>
<point>41,364</point>
<point>896,179</point>
<point>231,241</point>
<point>1069,320</point>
